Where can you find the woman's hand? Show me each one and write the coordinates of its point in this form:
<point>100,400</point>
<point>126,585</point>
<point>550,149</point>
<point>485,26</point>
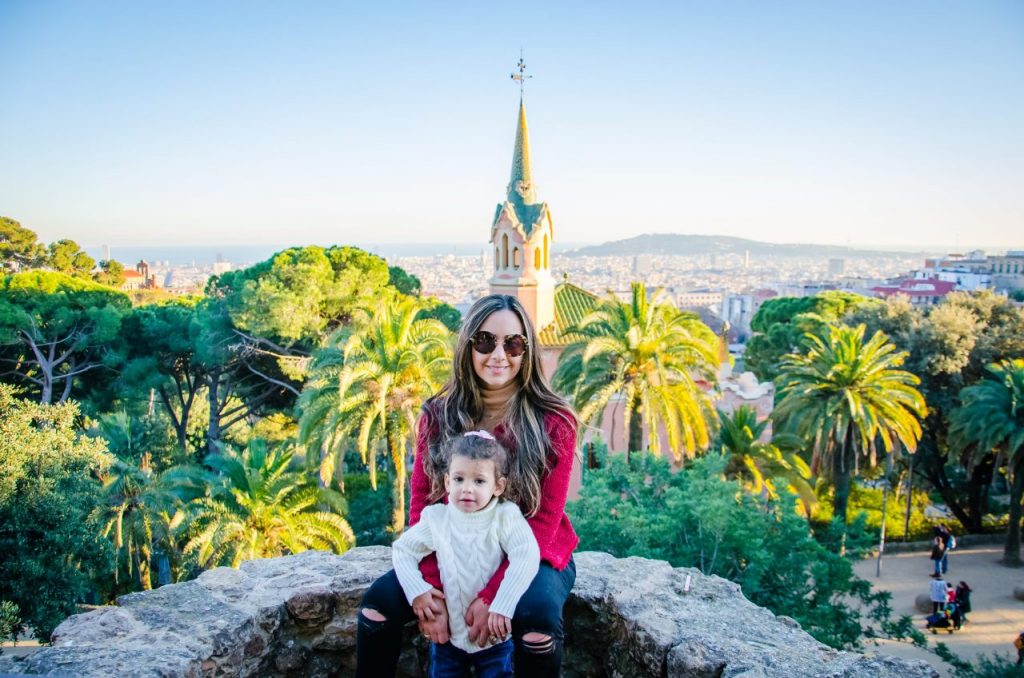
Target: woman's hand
<point>499,626</point>
<point>436,629</point>
<point>476,620</point>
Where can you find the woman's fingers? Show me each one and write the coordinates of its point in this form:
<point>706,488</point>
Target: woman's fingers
<point>437,601</point>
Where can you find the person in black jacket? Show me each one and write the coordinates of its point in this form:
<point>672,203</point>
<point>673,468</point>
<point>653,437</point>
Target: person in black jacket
<point>963,599</point>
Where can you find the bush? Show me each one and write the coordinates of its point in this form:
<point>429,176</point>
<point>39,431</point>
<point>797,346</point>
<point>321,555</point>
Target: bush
<point>696,518</point>
<point>369,511</point>
<point>10,621</point>
<point>50,547</point>
<point>866,507</point>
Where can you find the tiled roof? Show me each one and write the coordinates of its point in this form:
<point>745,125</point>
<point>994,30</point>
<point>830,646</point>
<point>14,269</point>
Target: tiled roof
<point>528,215</point>
<point>572,303</point>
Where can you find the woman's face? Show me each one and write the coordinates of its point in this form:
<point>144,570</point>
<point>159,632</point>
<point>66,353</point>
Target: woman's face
<point>497,369</point>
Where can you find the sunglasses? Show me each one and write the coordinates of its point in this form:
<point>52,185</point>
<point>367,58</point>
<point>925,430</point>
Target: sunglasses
<point>485,342</point>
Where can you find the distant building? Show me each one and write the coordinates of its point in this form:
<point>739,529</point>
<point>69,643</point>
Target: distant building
<point>804,289</point>
<point>969,272</point>
<point>106,253</point>
<point>922,293</point>
<point>139,278</point>
<point>1008,270</point>
<point>220,266</point>
<point>521,236</point>
<point>641,264</point>
<point>739,309</point>
<point>699,298</point>
<point>836,267</point>
<point>976,270</point>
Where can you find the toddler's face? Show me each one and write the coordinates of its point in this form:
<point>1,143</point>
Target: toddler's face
<point>471,483</point>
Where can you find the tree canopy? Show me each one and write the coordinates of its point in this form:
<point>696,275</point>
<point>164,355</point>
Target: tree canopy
<point>847,397</point>
<point>54,328</point>
<point>781,323</point>
<point>18,246</point>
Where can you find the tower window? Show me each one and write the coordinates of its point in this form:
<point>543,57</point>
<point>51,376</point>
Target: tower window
<point>515,258</point>
<point>547,263</point>
<point>504,251</point>
<point>536,258</point>
<point>496,258</point>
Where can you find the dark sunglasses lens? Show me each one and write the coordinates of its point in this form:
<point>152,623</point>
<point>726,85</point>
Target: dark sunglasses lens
<point>484,342</point>
<point>514,345</point>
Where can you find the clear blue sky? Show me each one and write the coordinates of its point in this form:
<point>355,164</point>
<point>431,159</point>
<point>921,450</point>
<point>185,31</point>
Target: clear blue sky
<point>222,122</point>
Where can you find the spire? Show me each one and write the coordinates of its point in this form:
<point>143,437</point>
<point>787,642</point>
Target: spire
<point>520,185</point>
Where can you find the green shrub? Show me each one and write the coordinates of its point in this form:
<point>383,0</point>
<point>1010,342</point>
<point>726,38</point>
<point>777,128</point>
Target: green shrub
<point>866,504</point>
<point>369,511</point>
<point>10,621</point>
<point>696,518</point>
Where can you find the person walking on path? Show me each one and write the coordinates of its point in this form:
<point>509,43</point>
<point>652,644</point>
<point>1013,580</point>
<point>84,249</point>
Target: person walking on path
<point>497,386</point>
<point>938,552</point>
<point>948,544</point>
<point>938,595</point>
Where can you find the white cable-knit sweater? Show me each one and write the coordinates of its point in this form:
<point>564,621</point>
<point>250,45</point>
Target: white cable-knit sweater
<point>469,549</point>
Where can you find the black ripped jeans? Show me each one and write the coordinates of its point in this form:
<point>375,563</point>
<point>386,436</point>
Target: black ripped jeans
<point>378,644</point>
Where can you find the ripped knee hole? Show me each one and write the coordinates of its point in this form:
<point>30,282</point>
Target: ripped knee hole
<point>373,615</point>
<point>538,643</point>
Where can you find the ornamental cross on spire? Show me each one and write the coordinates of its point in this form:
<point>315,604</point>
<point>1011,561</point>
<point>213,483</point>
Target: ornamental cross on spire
<point>521,76</point>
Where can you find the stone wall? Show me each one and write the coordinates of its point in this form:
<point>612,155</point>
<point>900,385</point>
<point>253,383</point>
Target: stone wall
<point>294,617</point>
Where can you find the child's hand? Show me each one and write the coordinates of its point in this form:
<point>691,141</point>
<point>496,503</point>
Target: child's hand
<point>499,625</point>
<point>425,605</point>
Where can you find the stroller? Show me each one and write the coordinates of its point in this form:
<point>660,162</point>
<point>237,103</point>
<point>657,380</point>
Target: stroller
<point>948,618</point>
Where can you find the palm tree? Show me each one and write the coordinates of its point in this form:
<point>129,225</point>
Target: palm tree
<point>138,514</point>
<point>648,354</point>
<point>991,417</point>
<point>258,508</point>
<point>845,396</point>
<point>760,465</point>
<point>370,380</point>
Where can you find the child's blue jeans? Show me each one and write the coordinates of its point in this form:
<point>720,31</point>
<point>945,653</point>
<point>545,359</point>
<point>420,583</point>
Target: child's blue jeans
<point>448,661</point>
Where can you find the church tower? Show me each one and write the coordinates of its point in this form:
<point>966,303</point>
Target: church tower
<point>521,235</point>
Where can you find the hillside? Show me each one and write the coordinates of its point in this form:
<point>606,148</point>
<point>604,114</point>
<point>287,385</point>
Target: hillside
<point>683,244</point>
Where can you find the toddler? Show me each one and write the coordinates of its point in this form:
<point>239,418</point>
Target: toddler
<point>470,534</point>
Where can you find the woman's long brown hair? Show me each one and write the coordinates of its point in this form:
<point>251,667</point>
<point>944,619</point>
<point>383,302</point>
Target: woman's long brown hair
<point>458,407</point>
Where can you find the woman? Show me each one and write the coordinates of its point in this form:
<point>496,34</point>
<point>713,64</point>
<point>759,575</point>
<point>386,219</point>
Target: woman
<point>496,385</point>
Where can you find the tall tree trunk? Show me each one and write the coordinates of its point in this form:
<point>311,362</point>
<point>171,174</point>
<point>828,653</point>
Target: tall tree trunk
<point>47,395</point>
<point>179,424</point>
<point>978,486</point>
<point>910,494</point>
<point>885,506</point>
<point>636,433</point>
<point>213,432</point>
<point>934,465</point>
<point>842,476</point>
<point>141,566</point>
<point>398,486</point>
<point>1011,555</point>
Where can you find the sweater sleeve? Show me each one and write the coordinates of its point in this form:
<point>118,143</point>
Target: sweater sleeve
<point>406,553</point>
<point>554,490</point>
<point>419,494</point>
<point>523,555</point>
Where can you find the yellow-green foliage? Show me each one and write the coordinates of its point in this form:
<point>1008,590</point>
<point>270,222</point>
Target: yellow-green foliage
<point>868,501</point>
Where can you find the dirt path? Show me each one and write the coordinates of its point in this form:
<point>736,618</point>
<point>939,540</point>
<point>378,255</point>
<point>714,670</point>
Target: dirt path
<point>997,616</point>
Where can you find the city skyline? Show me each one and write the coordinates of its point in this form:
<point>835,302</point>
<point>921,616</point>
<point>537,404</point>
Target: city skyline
<point>879,126</point>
